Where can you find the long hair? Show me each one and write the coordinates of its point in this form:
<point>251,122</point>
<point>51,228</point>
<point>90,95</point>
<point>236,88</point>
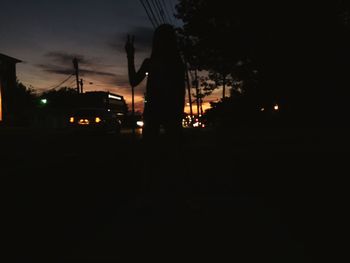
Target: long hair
<point>165,44</point>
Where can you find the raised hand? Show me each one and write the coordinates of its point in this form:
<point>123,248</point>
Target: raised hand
<point>129,46</point>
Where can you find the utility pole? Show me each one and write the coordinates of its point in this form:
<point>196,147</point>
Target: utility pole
<point>201,101</point>
<point>76,68</point>
<point>197,92</point>
<point>189,90</point>
<point>224,87</point>
<point>133,111</point>
<point>81,86</point>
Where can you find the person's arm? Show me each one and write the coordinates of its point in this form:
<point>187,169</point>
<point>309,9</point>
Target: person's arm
<point>135,78</point>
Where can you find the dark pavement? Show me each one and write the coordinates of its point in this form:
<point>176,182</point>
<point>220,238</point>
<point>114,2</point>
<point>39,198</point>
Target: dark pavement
<point>236,195</point>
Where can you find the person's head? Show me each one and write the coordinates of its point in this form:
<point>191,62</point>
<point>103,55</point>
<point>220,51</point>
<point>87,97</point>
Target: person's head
<point>165,42</point>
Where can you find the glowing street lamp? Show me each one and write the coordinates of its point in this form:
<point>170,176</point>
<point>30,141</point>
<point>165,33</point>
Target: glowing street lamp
<point>140,124</point>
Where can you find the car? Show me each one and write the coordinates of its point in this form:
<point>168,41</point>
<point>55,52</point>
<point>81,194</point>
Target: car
<point>95,120</point>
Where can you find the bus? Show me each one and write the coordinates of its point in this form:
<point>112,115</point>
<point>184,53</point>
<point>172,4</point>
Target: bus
<point>99,111</point>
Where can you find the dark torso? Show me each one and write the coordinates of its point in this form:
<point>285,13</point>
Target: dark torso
<point>165,92</point>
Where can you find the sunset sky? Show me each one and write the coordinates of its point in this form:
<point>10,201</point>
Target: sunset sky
<point>45,35</point>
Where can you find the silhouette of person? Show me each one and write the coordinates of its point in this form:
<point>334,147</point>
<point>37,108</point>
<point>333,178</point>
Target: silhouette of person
<point>165,92</point>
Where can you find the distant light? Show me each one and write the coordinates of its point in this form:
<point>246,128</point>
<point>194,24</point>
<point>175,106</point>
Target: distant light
<point>196,124</point>
<point>109,110</point>
<point>84,122</point>
<point>188,104</point>
<point>98,119</point>
<point>276,108</point>
<point>140,123</point>
<point>147,73</point>
<point>114,97</point>
<point>43,101</point>
<point>262,109</point>
<point>71,119</point>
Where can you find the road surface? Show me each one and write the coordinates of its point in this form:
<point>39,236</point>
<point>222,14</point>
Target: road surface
<point>238,195</point>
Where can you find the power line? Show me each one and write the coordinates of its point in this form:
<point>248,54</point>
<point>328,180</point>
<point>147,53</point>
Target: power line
<point>152,13</point>
<point>156,9</point>
<point>71,83</point>
<point>148,14</point>
<point>59,85</point>
<point>161,11</point>
<point>171,19</point>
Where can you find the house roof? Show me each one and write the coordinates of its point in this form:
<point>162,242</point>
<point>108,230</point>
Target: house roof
<point>9,59</point>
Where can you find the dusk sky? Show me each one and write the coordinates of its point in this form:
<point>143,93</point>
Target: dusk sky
<point>45,35</point>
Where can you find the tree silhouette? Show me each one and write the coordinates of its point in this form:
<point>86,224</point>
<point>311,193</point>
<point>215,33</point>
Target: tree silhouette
<point>21,103</point>
<point>54,106</point>
<point>213,39</point>
<point>61,99</point>
<point>286,43</point>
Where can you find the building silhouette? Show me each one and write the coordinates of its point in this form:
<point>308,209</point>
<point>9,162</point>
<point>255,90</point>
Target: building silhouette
<point>7,82</point>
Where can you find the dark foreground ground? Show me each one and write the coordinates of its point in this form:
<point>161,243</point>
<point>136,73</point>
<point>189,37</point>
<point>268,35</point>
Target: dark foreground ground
<point>257,195</point>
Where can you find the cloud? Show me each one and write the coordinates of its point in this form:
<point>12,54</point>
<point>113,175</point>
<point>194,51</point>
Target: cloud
<point>63,58</point>
<point>143,39</point>
<point>61,63</point>
<point>91,70</point>
<point>96,73</point>
<point>121,81</point>
<point>55,69</point>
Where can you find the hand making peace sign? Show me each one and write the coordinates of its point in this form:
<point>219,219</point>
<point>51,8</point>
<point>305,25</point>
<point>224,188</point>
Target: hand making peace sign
<point>129,47</point>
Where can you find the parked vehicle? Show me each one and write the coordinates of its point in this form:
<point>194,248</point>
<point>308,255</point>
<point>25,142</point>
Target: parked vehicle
<point>98,111</point>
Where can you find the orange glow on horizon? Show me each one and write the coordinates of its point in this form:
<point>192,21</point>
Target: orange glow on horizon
<point>139,106</point>
<point>125,91</point>
<point>205,106</point>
